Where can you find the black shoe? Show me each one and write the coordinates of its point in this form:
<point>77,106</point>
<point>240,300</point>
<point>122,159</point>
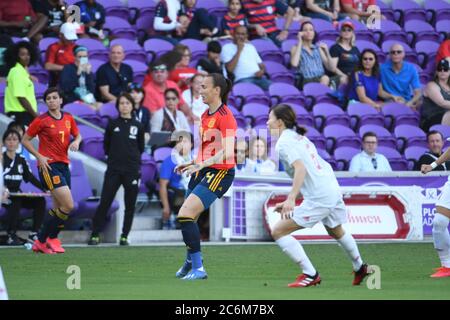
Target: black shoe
<point>124,241</point>
<point>94,241</point>
<point>13,240</point>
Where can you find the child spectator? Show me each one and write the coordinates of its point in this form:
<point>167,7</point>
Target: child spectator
<point>233,18</point>
<point>211,64</point>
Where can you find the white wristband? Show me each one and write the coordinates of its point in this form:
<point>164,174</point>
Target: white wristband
<point>434,165</point>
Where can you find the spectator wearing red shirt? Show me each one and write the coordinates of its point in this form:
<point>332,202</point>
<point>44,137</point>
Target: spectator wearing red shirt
<point>18,19</point>
<point>182,73</point>
<point>154,91</point>
<point>61,53</point>
<point>261,15</point>
<point>357,9</point>
<point>444,50</point>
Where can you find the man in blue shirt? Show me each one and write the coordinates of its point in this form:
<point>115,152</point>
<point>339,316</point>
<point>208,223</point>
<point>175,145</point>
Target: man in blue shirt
<point>173,186</point>
<point>368,160</point>
<point>401,78</point>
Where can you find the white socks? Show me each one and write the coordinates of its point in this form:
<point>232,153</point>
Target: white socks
<point>441,238</point>
<point>349,245</point>
<point>295,251</point>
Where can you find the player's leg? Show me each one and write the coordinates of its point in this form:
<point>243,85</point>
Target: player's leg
<point>111,184</point>
<point>281,233</point>
<point>441,239</point>
<point>131,190</point>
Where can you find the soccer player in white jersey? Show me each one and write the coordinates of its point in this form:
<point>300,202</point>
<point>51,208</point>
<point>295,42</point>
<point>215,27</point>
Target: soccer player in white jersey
<point>322,198</point>
<point>441,237</point>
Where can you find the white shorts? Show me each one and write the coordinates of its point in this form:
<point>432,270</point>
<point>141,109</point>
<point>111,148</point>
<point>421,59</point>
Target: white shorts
<point>444,198</point>
<point>309,213</point>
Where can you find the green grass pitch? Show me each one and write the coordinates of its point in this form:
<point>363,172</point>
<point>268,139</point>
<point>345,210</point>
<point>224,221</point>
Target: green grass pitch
<point>235,272</point>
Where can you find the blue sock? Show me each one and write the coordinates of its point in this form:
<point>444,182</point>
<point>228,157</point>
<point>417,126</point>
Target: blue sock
<point>191,237</point>
<point>197,261</point>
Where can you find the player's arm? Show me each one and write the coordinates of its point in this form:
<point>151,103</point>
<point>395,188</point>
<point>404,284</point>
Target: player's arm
<point>43,160</point>
<point>443,158</point>
<point>75,145</point>
<point>286,207</point>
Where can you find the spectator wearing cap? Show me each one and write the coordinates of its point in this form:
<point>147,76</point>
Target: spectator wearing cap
<point>114,77</point>
<point>242,60</point>
<point>261,15</point>
<point>141,113</point>
<point>18,19</point>
<point>93,17</point>
<point>20,98</point>
<point>233,18</point>
<point>169,118</point>
<point>60,53</point>
<point>368,160</point>
<point>400,78</point>
<point>154,91</point>
<point>77,81</point>
<point>344,53</point>
<point>444,50</point>
<point>435,141</point>
<point>309,58</point>
<point>324,9</point>
<point>436,102</point>
<point>211,64</point>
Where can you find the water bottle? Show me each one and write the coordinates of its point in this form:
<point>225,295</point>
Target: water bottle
<point>27,19</point>
<point>360,6</point>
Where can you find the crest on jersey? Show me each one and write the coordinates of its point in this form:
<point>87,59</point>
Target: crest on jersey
<point>133,130</point>
<point>68,124</point>
<point>20,168</point>
<point>211,123</point>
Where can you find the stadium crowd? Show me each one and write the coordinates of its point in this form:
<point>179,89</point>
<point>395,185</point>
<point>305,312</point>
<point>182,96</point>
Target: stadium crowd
<point>372,99</point>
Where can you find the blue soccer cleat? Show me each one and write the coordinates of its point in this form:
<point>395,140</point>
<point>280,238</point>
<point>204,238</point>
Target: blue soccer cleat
<point>196,274</point>
<point>184,270</point>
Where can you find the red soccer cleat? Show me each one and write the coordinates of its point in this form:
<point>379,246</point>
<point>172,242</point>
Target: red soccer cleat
<point>360,275</point>
<point>55,245</point>
<point>304,280</point>
<point>441,272</point>
<point>41,247</point>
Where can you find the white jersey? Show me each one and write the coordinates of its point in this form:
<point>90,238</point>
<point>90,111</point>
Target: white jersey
<point>320,184</point>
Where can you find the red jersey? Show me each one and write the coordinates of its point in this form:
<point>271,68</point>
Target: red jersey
<point>61,54</point>
<point>214,127</point>
<point>54,135</point>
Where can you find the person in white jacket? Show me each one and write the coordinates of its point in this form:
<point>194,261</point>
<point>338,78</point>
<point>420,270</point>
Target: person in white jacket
<point>166,22</point>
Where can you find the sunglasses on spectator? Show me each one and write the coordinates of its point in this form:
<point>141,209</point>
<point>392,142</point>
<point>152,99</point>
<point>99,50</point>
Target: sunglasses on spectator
<point>347,29</point>
<point>161,67</point>
<point>368,59</point>
<point>171,98</point>
<point>134,86</point>
<point>443,69</point>
<point>396,52</point>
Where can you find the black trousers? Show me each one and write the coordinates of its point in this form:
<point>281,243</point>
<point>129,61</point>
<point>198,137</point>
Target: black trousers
<point>13,212</point>
<point>24,117</point>
<point>201,20</point>
<point>111,184</point>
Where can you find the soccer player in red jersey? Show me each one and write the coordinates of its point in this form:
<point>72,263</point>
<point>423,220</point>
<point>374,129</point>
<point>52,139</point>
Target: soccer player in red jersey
<point>54,130</point>
<point>212,173</point>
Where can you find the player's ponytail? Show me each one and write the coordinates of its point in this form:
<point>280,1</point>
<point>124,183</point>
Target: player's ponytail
<point>285,113</point>
<point>223,83</point>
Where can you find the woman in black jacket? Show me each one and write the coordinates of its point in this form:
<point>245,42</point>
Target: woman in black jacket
<point>124,144</point>
<point>15,170</point>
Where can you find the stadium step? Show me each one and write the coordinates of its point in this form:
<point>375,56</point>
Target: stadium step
<point>143,236</point>
<point>146,222</point>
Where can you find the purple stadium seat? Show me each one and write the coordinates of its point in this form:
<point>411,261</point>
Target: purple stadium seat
<point>361,114</point>
<point>413,154</point>
<point>92,143</point>
<point>343,156</point>
<point>286,46</point>
<point>328,114</point>
<point>243,93</point>
<point>426,51</point>
<point>83,111</point>
<point>133,51</point>
<point>293,28</point>
<point>148,171</point>
<point>214,7</point>
<point>157,47</point>
<point>106,112</point>
<point>316,93</point>
<point>316,137</point>
<point>340,136</point>
<point>437,8</point>
<point>443,15</point>
<point>408,136</point>
<point>386,10</point>
<point>198,48</point>
<point>160,154</point>
<point>144,27</point>
<point>327,157</point>
<point>115,8</point>
<point>39,90</point>
<point>259,113</point>
<point>406,10</point>
<point>119,28</point>
<point>46,42</point>
<point>278,73</point>
<point>396,114</point>
<point>268,51</point>
<point>42,107</point>
<point>445,130</point>
<point>285,93</point>
<point>39,72</point>
<point>96,64</point>
<point>139,69</point>
<point>95,48</point>
<point>396,160</point>
<point>420,30</point>
<point>390,30</point>
<point>385,138</point>
<point>82,191</point>
<point>325,29</point>
<point>442,28</point>
<point>141,8</point>
<point>410,54</point>
<point>304,118</point>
